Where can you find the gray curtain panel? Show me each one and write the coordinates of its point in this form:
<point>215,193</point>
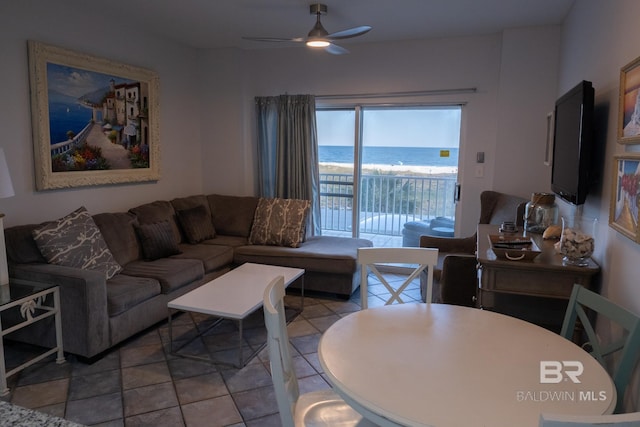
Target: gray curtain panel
<point>288,151</point>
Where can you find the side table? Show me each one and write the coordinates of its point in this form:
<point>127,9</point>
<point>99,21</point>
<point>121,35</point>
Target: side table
<point>35,301</point>
<point>536,290</point>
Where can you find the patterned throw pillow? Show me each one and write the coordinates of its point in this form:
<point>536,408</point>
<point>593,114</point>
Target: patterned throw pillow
<point>279,222</point>
<point>157,240</point>
<point>196,224</point>
<point>75,241</point>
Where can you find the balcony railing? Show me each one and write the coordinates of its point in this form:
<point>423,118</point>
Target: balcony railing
<point>387,201</point>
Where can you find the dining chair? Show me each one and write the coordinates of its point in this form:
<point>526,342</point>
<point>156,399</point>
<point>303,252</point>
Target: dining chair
<point>317,408</point>
<point>370,258</point>
<point>582,304</point>
<point>617,420</point>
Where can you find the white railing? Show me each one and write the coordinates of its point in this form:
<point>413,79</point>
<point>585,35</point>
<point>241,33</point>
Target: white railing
<point>78,140</point>
<point>387,201</point>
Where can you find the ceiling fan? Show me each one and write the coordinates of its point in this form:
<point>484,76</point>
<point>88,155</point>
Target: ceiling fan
<point>318,37</point>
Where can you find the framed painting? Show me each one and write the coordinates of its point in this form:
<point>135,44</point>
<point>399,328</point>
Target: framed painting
<point>623,210</point>
<point>629,104</point>
<point>95,121</point>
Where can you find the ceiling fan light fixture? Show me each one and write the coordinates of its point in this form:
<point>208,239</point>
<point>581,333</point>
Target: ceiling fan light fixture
<point>318,43</point>
<point>319,37</point>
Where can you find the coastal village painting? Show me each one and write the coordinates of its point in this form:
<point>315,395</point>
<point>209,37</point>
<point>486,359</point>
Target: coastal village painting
<point>94,120</point>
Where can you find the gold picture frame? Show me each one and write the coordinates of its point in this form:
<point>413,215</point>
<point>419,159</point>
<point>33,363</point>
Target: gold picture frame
<point>95,121</point>
<point>629,104</point>
<point>625,200</point>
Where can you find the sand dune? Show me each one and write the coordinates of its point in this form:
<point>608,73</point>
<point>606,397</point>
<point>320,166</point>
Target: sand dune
<point>329,167</point>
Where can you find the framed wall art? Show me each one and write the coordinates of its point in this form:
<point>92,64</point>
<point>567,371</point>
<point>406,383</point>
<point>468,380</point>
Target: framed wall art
<point>95,121</point>
<point>629,104</point>
<point>623,210</point>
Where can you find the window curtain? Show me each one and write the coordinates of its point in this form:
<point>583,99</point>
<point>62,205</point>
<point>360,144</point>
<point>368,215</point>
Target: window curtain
<point>288,151</point>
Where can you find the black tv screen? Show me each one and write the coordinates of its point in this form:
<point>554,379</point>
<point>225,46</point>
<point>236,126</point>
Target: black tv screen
<point>573,143</point>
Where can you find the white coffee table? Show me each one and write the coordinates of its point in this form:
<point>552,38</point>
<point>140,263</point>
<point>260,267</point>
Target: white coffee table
<point>234,295</point>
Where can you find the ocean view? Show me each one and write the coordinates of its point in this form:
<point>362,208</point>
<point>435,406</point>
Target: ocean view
<point>67,116</point>
<point>420,160</point>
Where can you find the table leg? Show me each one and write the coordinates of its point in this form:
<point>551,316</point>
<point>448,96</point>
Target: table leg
<point>170,332</point>
<point>58,321</point>
<point>240,327</point>
<point>4,390</point>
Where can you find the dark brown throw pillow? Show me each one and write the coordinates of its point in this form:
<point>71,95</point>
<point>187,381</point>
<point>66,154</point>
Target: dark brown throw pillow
<point>196,224</point>
<point>157,240</point>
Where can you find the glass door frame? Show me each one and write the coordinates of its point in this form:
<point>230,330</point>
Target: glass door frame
<point>358,142</point>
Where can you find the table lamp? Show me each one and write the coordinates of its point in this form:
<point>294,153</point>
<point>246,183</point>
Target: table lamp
<point>6,190</point>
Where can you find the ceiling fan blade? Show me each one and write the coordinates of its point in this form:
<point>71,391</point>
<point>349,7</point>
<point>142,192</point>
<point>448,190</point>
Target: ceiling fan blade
<point>351,32</point>
<point>334,49</point>
<point>274,39</point>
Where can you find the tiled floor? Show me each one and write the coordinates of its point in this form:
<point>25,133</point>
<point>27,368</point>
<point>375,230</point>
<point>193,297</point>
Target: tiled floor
<point>139,383</point>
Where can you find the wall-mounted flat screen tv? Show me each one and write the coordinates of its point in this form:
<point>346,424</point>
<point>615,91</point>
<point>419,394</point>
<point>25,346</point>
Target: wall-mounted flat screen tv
<point>573,143</point>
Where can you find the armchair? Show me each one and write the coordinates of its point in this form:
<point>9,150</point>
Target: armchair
<point>455,276</point>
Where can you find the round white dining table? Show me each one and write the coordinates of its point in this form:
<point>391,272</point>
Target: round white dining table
<point>445,365</point>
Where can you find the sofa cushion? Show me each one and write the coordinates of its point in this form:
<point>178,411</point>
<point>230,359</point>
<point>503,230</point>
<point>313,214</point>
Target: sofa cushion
<point>158,211</point>
<point>119,233</point>
<point>213,257</point>
<point>279,222</point>
<point>172,273</point>
<point>75,241</point>
<point>157,240</point>
<point>325,254</point>
<point>232,215</point>
<point>233,241</point>
<point>196,224</point>
<point>124,292</point>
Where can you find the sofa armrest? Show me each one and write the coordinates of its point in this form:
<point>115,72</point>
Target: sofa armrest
<point>83,305</point>
<point>462,245</point>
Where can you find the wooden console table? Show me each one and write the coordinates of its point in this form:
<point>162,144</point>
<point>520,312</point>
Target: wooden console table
<point>536,290</point>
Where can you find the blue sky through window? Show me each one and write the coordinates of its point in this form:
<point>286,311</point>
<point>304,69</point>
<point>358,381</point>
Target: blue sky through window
<point>389,127</point>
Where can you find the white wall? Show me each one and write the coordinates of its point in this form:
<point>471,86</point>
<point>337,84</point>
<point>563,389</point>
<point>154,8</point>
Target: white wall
<point>505,114</point>
<point>528,80</point>
<point>100,35</point>
<point>598,39</point>
<point>207,111</point>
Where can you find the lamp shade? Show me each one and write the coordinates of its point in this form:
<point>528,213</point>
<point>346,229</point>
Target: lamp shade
<point>6,186</point>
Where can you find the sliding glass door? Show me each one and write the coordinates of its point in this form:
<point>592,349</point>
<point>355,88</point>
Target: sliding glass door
<point>384,167</point>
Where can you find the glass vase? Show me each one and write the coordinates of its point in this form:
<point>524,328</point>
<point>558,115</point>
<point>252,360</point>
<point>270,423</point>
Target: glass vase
<point>577,241</point>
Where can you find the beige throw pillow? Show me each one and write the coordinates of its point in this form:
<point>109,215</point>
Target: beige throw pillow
<point>76,241</point>
<point>279,222</point>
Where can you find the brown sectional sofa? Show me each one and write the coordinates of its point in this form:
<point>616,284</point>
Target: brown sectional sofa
<point>98,313</point>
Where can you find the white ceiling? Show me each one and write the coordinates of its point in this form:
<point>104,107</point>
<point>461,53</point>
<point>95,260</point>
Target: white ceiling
<point>222,23</point>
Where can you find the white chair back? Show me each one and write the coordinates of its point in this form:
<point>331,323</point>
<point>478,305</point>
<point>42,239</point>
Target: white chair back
<point>369,259</point>
<point>282,372</point>
<point>316,408</point>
